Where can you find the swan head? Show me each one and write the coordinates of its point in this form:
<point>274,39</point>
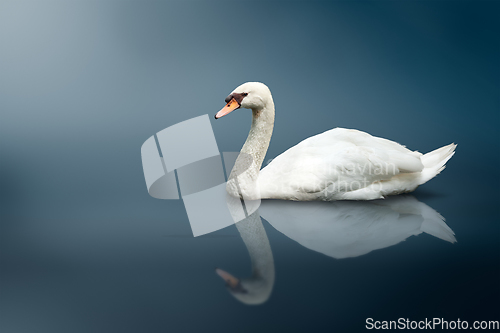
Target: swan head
<point>250,291</point>
<point>250,95</point>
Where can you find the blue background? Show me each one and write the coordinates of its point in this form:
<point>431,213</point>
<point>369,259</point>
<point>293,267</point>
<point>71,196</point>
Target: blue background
<point>83,84</point>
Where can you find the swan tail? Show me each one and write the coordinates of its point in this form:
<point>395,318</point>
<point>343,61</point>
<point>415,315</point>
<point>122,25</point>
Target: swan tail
<point>435,162</point>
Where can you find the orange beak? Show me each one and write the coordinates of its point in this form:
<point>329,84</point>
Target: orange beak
<point>231,106</point>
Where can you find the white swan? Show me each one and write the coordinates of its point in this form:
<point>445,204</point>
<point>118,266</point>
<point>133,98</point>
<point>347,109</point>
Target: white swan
<point>339,164</point>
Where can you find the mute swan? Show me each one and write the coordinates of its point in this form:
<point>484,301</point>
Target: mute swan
<point>339,164</point>
<point>256,289</point>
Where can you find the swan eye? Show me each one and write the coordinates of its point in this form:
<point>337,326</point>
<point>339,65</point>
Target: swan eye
<point>244,94</point>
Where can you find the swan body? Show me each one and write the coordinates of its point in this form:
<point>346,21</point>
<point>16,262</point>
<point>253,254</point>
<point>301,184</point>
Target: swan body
<point>346,164</point>
<point>339,164</point>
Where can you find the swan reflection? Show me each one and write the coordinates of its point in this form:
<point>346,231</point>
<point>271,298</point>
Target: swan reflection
<point>344,229</point>
<point>341,229</point>
<point>257,288</point>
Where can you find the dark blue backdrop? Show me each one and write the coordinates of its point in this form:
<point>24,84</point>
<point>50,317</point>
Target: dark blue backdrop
<point>83,84</point>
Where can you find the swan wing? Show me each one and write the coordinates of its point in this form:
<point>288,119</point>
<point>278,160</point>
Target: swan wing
<point>339,160</point>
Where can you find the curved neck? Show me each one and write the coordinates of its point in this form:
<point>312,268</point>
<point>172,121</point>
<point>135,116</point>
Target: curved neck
<point>260,135</point>
<point>247,170</point>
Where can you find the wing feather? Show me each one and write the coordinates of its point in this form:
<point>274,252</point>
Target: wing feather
<point>342,158</point>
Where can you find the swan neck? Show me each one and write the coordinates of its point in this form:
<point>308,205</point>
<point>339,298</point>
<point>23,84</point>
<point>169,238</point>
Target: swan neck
<point>243,179</point>
<point>260,134</point>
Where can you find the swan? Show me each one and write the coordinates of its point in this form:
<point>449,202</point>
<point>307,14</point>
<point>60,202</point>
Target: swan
<point>339,164</point>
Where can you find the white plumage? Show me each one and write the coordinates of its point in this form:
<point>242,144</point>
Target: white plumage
<point>339,164</point>
<point>344,164</point>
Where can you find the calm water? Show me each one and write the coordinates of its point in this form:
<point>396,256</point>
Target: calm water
<point>84,248</point>
<point>335,265</point>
